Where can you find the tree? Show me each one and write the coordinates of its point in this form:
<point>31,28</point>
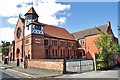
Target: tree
<point>106,46</point>
<point>5,48</point>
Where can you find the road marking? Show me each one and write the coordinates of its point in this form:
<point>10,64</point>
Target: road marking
<point>20,73</point>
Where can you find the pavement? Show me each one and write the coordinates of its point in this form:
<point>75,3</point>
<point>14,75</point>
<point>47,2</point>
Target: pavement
<point>112,74</point>
<point>31,72</point>
<point>43,73</point>
<point>93,74</point>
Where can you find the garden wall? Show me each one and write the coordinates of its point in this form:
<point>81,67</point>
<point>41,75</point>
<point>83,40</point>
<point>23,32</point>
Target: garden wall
<point>50,64</point>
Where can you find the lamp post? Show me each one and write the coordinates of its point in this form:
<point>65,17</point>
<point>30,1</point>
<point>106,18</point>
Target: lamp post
<point>94,59</point>
<point>23,47</point>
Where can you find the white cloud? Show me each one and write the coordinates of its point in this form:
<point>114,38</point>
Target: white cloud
<point>13,20</point>
<point>6,34</point>
<point>62,19</point>
<point>46,9</point>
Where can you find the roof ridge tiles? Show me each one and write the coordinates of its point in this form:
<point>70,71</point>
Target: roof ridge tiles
<point>90,28</point>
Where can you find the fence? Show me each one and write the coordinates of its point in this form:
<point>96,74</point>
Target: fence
<point>79,65</point>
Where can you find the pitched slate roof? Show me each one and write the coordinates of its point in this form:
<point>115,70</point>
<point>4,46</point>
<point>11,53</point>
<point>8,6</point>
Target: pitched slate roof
<point>58,32</point>
<point>54,31</point>
<point>50,30</point>
<point>23,20</point>
<point>31,11</point>
<point>91,31</point>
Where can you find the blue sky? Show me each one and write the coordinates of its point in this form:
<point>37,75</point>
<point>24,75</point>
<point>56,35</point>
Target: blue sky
<point>74,16</point>
<point>86,15</point>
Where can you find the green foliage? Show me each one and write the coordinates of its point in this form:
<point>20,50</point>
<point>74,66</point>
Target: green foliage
<point>106,46</point>
<point>5,49</point>
<point>118,48</point>
<point>99,61</point>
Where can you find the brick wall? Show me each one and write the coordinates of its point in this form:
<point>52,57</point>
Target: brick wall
<point>91,46</point>
<point>37,47</point>
<point>47,64</point>
<point>18,41</point>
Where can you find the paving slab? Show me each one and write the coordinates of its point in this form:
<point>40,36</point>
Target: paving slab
<point>33,72</point>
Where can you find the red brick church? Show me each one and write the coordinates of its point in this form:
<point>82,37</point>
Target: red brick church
<point>43,41</point>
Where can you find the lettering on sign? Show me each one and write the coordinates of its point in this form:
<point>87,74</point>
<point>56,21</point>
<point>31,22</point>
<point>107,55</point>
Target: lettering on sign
<point>37,40</point>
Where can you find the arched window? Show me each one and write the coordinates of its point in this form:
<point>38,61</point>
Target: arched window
<point>18,53</point>
<point>28,56</point>
<point>53,52</point>
<point>46,52</point>
<point>56,52</point>
<point>61,53</point>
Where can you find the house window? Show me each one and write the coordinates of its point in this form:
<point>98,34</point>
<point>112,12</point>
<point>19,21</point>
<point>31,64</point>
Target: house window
<point>54,42</point>
<point>74,53</point>
<point>62,43</point>
<point>46,42</point>
<point>53,52</point>
<point>83,53</point>
<point>68,44</point>
<point>46,52</point>
<point>74,44</point>
<point>56,52</point>
<point>61,53</point>
<point>68,53</point>
<point>82,43</point>
<point>64,52</point>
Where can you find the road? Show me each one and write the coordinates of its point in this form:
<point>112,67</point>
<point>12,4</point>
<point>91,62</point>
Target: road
<point>7,74</point>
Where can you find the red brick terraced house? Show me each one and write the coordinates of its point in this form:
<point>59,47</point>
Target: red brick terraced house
<point>86,39</point>
<point>42,41</point>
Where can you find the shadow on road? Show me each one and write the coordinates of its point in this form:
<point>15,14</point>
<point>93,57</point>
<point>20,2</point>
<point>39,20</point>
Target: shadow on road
<point>6,76</point>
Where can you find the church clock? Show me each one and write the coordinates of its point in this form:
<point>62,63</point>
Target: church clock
<point>18,33</point>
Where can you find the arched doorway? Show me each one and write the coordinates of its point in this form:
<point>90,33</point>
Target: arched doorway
<point>10,57</point>
<point>18,56</point>
<point>81,53</point>
<point>46,53</point>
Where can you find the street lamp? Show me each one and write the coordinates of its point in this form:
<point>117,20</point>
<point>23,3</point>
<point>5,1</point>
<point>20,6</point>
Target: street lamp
<point>94,59</point>
<point>23,47</point>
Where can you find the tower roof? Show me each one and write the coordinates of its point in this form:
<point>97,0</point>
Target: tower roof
<point>31,11</point>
